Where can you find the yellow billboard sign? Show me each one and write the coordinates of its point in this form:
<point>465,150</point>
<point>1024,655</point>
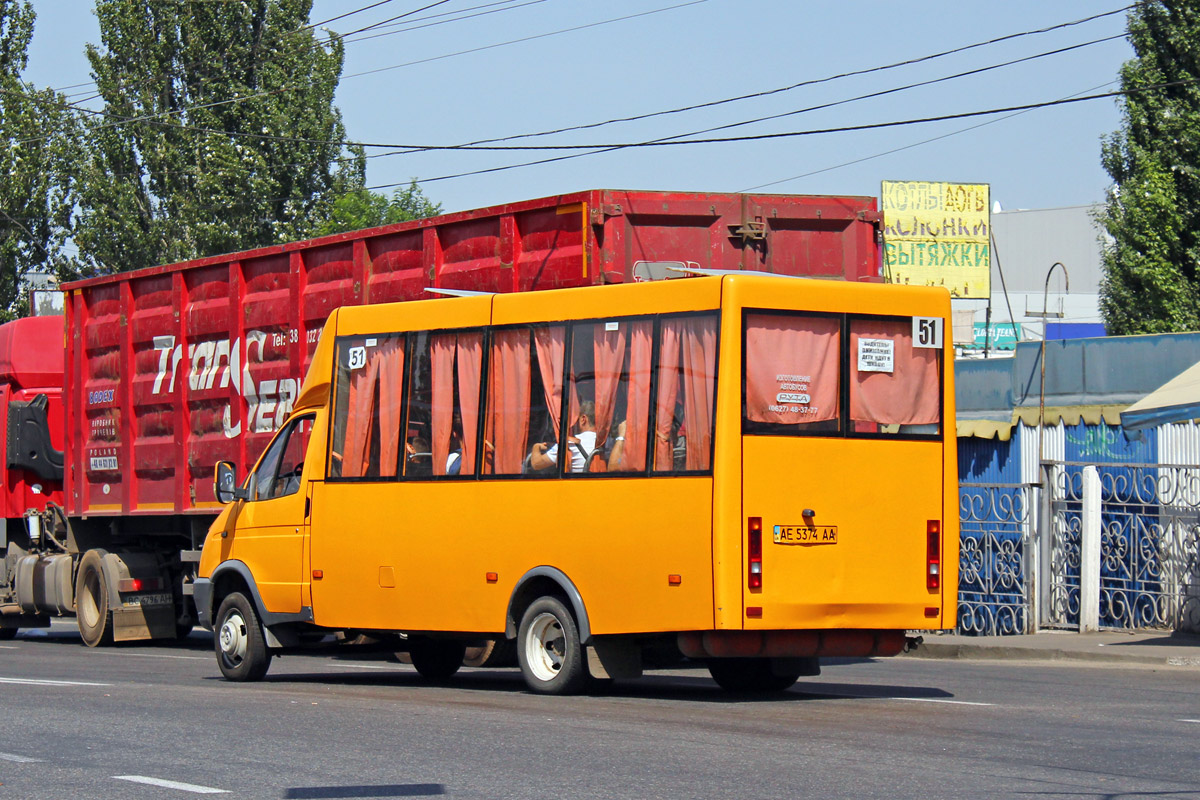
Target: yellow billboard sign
<point>937,234</point>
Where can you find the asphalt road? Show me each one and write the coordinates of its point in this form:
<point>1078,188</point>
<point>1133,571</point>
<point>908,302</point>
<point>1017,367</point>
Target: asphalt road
<point>158,722</point>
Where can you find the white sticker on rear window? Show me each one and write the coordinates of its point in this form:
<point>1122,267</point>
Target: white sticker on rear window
<point>876,355</point>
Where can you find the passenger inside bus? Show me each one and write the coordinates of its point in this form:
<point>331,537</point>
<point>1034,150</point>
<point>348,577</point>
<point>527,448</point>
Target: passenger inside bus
<point>582,445</point>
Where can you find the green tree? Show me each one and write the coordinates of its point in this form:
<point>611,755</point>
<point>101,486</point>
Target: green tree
<point>219,132</point>
<point>1152,259</point>
<point>36,154</point>
<point>363,208</point>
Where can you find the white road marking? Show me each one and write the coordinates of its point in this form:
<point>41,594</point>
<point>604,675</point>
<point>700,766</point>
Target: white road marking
<point>41,682</point>
<point>1197,721</point>
<point>159,655</point>
<point>8,647</point>
<point>19,759</point>
<point>367,666</point>
<point>165,784</point>
<point>910,699</point>
<point>938,700</point>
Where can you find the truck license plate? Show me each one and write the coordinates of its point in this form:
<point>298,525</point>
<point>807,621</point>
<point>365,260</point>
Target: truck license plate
<point>806,534</point>
<point>149,600</point>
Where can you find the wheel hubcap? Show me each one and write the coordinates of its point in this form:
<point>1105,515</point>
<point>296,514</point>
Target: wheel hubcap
<point>233,638</point>
<point>545,647</point>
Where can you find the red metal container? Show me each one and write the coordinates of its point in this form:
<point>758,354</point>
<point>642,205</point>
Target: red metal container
<point>173,368</point>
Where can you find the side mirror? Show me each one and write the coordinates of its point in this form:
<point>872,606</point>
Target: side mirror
<point>225,487</point>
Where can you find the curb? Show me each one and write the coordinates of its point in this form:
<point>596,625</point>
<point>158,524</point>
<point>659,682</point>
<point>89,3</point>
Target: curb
<point>966,652</point>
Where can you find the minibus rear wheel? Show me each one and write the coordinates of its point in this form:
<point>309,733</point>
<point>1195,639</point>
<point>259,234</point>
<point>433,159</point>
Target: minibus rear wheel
<point>751,675</point>
<point>549,650</point>
<point>242,652</point>
<point>436,659</point>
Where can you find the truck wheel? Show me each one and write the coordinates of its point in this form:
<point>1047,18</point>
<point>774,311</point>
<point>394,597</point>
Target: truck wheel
<point>751,675</point>
<point>492,653</point>
<point>436,659</point>
<point>548,649</point>
<point>91,601</point>
<point>242,652</point>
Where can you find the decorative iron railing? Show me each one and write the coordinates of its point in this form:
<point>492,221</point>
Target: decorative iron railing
<point>995,524</point>
<point>1149,545</point>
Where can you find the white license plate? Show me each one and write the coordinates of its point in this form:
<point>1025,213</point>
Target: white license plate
<point>149,600</point>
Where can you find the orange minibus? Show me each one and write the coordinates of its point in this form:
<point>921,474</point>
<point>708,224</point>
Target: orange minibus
<point>749,471</point>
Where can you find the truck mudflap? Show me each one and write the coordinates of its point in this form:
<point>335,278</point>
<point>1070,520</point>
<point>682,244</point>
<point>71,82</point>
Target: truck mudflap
<point>838,643</point>
<point>140,597</point>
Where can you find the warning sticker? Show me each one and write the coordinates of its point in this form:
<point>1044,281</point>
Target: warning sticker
<point>876,355</point>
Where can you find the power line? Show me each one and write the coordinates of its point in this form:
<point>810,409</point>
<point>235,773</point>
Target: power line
<point>506,5</point>
<point>308,29</point>
<point>404,149</point>
<point>895,150</point>
<point>814,81</point>
<point>315,25</point>
<point>597,149</point>
<point>524,39</point>
<point>347,143</point>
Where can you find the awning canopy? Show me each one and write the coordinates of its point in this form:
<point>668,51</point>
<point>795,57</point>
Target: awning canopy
<point>1177,400</point>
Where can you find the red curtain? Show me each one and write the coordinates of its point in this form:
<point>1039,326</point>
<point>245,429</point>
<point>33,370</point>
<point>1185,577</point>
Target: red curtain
<point>359,419</point>
<point>637,405</point>
<point>373,406</point>
<point>789,358</point>
<point>687,360</point>
<point>470,364</point>
<point>699,345</point>
<point>390,356</point>
<point>668,391</point>
<point>508,400</point>
<point>905,394</point>
<point>608,351</point>
<point>551,345</point>
<point>441,366</point>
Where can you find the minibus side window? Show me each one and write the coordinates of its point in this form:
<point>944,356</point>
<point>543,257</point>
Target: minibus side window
<point>524,394</point>
<point>792,369</point>
<point>686,376</point>
<point>610,385</point>
<point>278,473</point>
<point>368,389</point>
<point>443,404</point>
<point>895,388</point>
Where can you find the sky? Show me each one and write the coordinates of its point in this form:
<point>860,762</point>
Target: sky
<point>461,71</point>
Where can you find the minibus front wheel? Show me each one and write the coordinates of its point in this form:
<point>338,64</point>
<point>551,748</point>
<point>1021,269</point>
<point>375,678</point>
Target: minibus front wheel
<point>549,650</point>
<point>242,652</point>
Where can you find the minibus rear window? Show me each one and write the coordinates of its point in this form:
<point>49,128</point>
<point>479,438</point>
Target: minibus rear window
<point>895,388</point>
<point>792,374</point>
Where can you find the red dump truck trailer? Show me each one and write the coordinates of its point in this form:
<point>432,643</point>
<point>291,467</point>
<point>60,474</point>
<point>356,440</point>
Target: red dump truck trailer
<point>116,416</point>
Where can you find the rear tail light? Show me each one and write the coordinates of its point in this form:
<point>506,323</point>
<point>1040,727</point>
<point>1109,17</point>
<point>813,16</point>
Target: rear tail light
<point>933,554</point>
<point>139,584</point>
<point>754,549</point>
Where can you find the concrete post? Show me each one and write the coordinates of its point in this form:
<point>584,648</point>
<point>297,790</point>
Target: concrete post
<point>1089,553</point>
<point>1043,576</point>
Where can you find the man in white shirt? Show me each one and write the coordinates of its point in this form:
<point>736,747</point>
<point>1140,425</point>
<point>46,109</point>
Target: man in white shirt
<point>581,445</point>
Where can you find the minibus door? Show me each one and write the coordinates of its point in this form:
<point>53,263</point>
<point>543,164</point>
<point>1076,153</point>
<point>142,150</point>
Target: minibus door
<point>273,523</point>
